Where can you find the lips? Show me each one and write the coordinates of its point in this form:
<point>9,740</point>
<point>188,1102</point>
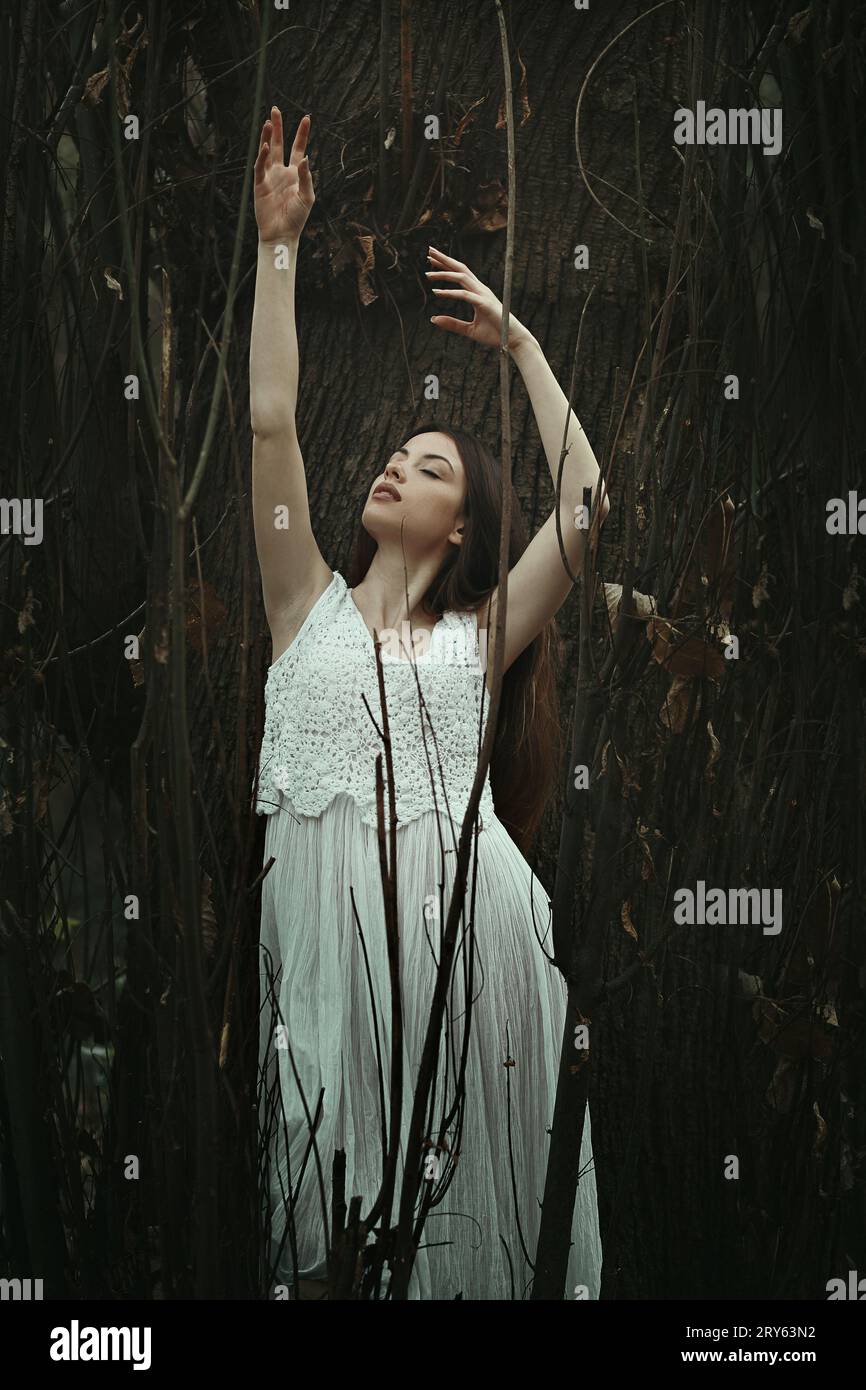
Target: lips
<point>387,490</point>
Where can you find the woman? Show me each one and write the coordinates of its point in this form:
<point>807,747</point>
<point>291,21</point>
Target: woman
<point>424,582</point>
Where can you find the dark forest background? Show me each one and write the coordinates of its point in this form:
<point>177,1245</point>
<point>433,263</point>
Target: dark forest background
<point>131,1030</point>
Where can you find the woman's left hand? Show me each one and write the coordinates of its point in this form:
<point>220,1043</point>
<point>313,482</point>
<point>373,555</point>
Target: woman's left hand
<point>486,325</point>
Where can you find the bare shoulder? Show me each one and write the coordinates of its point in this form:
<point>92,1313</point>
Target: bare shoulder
<point>286,622</point>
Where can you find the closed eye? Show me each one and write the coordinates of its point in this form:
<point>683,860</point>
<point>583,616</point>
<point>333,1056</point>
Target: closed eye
<point>430,473</point>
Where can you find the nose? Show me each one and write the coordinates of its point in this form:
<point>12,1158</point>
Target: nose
<point>389,469</point>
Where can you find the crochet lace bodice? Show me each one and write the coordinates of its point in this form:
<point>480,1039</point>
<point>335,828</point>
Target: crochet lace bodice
<point>319,739</point>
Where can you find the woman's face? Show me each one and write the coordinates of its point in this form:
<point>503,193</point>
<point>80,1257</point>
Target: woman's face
<point>427,474</point>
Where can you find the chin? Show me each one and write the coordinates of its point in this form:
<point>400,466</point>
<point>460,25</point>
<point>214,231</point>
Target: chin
<point>372,524</point>
<point>374,520</point>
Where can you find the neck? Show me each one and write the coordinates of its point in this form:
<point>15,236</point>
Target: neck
<point>383,588</point>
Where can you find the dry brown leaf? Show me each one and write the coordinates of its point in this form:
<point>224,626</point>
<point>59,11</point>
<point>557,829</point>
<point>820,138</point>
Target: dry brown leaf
<point>466,120</point>
<point>798,24</point>
<point>683,656</point>
<point>524,99</point>
<point>625,917</point>
<point>795,1036</point>
<point>644,604</point>
<point>368,257</point>
<point>647,868</point>
<point>629,780</point>
<point>489,208</point>
<point>112,283</point>
<point>715,748</point>
<point>674,711</point>
<point>25,617</point>
<point>760,592</point>
<point>93,87</point>
<point>604,758</point>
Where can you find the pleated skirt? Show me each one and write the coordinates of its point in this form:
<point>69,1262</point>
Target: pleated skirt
<point>326,1017</point>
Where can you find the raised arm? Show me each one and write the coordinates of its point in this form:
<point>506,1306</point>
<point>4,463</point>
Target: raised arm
<point>292,568</point>
<point>538,584</point>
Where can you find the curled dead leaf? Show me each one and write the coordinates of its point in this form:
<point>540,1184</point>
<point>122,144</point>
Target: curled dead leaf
<point>644,604</point>
<point>760,592</point>
<point>93,87</point>
<point>25,617</point>
<point>604,758</point>
<point>796,1035</point>
<point>625,918</point>
<point>367,260</point>
<point>112,283</point>
<point>798,24</point>
<point>466,120</point>
<point>674,711</point>
<point>629,779</point>
<point>647,868</point>
<point>751,986</point>
<point>681,655</point>
<point>715,748</point>
<point>489,208</point>
<point>524,99</point>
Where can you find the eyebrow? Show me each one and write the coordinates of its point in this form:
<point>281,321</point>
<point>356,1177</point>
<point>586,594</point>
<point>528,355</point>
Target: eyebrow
<point>429,456</point>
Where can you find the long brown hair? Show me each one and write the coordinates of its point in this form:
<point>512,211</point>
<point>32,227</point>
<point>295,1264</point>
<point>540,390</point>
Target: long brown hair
<point>527,747</point>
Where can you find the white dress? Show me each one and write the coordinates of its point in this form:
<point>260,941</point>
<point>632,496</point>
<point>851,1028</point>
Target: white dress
<point>316,784</point>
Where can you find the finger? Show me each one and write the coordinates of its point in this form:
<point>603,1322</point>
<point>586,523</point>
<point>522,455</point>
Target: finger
<point>457,273</point>
<point>453,325</point>
<point>305,181</point>
<point>262,162</point>
<point>277,142</point>
<point>300,142</point>
<point>469,295</point>
<point>447,260</point>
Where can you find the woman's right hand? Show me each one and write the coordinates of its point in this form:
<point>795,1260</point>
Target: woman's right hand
<point>283,193</point>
